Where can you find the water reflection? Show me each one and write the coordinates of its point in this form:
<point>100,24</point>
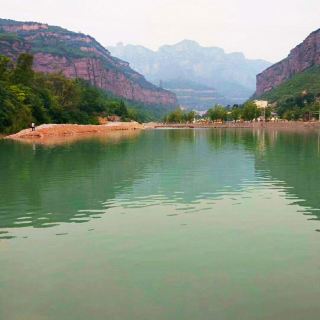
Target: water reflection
<point>45,185</point>
<point>294,159</point>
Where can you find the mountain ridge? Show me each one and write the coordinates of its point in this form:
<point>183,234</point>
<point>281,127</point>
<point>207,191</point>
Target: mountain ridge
<point>78,55</point>
<point>301,58</point>
<point>231,75</point>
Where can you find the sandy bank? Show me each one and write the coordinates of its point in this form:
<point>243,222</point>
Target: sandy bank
<point>102,137</point>
<point>46,131</point>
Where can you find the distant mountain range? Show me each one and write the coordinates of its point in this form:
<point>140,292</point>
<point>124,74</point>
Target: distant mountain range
<point>77,55</point>
<point>200,76</point>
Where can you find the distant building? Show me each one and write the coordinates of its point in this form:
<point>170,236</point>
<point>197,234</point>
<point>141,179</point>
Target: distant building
<point>261,104</point>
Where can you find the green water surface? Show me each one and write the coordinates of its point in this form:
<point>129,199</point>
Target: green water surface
<point>166,224</point>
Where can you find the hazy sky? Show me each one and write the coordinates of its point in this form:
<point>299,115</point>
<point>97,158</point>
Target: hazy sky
<point>265,29</point>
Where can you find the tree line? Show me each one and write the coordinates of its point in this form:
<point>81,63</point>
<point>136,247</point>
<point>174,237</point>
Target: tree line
<point>302,106</point>
<point>248,112</point>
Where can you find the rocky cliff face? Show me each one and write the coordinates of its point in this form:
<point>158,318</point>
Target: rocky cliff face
<point>301,58</point>
<point>78,56</point>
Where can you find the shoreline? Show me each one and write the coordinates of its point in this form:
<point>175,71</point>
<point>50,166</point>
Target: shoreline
<point>289,125</point>
<point>67,131</point>
<point>53,131</point>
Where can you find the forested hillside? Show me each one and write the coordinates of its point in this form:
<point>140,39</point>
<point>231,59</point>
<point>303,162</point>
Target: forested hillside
<point>298,97</point>
<point>27,96</point>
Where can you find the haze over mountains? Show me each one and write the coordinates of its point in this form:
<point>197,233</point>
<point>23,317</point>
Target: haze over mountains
<point>200,76</point>
<point>77,55</point>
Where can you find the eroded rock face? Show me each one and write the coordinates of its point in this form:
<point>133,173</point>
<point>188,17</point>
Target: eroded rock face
<point>25,27</point>
<point>93,70</point>
<point>79,56</point>
<point>302,57</point>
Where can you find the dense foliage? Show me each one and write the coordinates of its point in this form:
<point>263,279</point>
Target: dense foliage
<point>27,96</point>
<point>302,106</point>
<point>249,111</point>
<point>180,116</point>
<point>307,81</point>
<point>299,97</point>
<point>217,113</point>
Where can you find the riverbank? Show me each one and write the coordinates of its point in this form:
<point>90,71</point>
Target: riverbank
<point>53,131</point>
<point>60,132</point>
<point>287,125</point>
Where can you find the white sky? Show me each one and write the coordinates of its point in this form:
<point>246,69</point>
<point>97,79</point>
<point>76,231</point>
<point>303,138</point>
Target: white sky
<point>265,29</point>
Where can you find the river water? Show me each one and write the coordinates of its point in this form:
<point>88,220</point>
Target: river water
<point>165,224</point>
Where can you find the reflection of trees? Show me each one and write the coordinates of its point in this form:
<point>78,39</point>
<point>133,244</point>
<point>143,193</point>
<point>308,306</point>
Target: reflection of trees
<point>191,169</point>
<point>45,185</point>
<point>289,157</point>
<point>294,159</point>
<point>54,183</point>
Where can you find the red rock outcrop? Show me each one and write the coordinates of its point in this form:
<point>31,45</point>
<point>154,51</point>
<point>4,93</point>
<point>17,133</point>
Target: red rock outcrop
<point>79,56</point>
<point>302,57</point>
<point>93,70</point>
<point>25,27</point>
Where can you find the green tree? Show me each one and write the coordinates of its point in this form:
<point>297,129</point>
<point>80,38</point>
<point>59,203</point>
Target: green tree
<point>250,111</point>
<point>122,111</point>
<point>176,116</point>
<point>4,68</point>
<point>217,113</point>
<point>27,96</point>
<point>190,116</point>
<point>268,113</point>
<point>236,113</point>
<point>23,73</point>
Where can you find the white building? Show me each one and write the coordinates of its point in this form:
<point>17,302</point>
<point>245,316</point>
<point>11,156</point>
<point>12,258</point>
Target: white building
<point>261,104</point>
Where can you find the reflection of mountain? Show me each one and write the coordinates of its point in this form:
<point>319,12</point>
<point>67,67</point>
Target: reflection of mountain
<point>42,186</point>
